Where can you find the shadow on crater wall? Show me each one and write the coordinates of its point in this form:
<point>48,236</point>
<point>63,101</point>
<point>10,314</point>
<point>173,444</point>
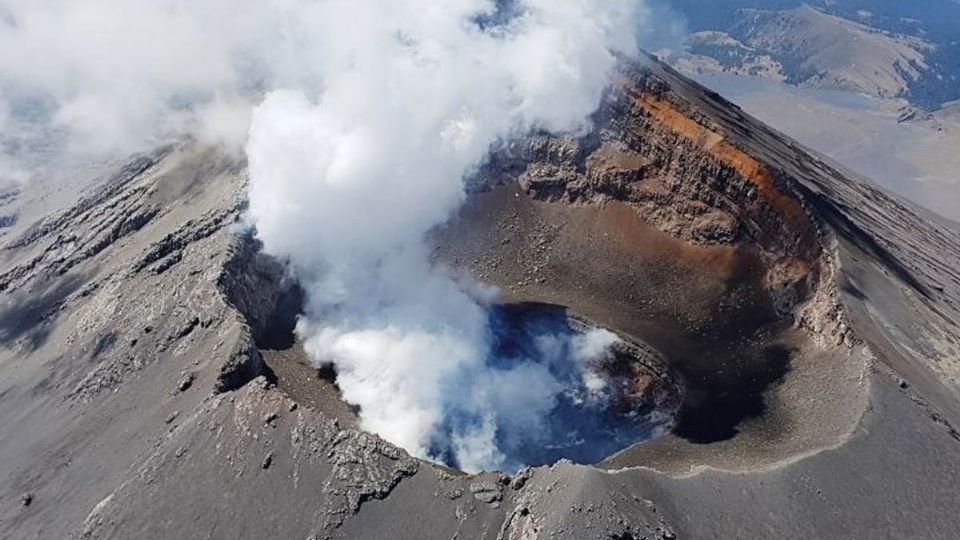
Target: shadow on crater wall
<point>30,315</point>
<point>712,412</point>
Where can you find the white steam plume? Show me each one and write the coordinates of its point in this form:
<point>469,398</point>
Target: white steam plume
<point>347,183</point>
<point>363,118</point>
<point>82,79</point>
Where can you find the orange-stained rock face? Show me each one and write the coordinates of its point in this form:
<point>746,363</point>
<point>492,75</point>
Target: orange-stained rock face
<point>717,146</point>
<point>656,158</point>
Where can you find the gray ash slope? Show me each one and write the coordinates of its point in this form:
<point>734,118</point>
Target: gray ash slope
<point>135,401</point>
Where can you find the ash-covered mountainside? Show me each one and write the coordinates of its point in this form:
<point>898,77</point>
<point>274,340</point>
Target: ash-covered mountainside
<point>151,385</point>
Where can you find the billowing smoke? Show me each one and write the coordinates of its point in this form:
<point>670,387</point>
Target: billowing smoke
<point>360,119</point>
<point>346,184</point>
<point>91,77</point>
<point>82,79</point>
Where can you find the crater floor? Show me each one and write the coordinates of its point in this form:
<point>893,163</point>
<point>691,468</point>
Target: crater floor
<point>149,387</point>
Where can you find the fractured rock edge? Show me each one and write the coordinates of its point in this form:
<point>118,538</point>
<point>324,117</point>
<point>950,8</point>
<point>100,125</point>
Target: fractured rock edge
<point>332,473</point>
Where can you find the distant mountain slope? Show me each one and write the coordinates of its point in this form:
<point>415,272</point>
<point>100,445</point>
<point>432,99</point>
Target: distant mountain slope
<point>936,20</point>
<point>831,52</point>
<point>873,47</point>
<point>713,51</point>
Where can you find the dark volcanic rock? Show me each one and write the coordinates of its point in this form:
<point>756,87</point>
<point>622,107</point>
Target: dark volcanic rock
<point>184,382</point>
<point>789,296</point>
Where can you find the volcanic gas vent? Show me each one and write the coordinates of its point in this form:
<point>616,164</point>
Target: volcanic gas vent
<point>614,391</point>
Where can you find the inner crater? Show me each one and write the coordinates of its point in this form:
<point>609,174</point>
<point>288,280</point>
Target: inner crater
<point>698,305</point>
<point>608,391</point>
<point>588,392</point>
<point>613,393</point>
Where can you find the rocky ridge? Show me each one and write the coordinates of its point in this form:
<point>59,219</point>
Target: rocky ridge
<point>134,322</point>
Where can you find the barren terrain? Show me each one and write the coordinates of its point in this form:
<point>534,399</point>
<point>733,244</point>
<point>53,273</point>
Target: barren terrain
<point>151,385</point>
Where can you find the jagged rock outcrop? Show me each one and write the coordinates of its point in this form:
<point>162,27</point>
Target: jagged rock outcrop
<point>810,317</point>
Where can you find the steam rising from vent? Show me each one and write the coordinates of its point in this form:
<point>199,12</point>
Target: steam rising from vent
<point>360,119</point>
<point>347,182</point>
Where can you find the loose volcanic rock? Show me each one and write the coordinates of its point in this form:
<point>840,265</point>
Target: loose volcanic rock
<point>788,299</point>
